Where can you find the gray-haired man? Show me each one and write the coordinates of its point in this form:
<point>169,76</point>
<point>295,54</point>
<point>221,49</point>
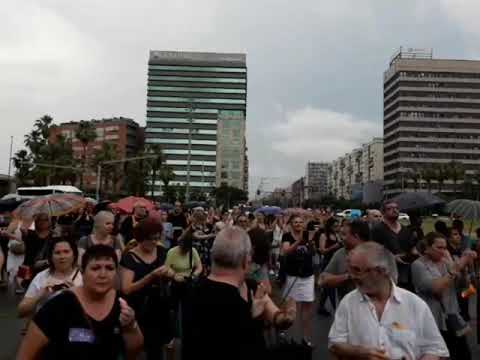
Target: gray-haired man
<point>380,320</point>
<point>218,318</point>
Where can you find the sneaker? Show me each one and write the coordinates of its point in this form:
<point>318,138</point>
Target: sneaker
<point>321,311</point>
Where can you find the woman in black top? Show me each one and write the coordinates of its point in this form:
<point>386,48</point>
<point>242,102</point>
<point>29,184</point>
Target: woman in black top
<point>36,244</point>
<point>329,243</point>
<point>298,251</point>
<point>86,322</point>
<point>144,282</point>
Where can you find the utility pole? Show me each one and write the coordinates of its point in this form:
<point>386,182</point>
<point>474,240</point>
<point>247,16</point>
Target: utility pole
<point>189,154</point>
<point>10,164</point>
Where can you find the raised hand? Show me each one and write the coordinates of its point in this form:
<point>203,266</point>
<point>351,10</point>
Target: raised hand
<point>127,315</point>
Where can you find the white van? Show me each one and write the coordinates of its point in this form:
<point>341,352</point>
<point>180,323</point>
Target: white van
<point>31,192</point>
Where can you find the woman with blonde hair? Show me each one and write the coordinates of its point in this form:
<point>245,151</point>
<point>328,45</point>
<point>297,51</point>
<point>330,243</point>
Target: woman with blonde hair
<point>103,224</point>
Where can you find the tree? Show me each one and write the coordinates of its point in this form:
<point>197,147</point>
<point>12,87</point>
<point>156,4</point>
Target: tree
<point>428,175</point>
<point>23,164</point>
<point>197,195</point>
<point>154,164</point>
<point>86,134</point>
<point>476,176</point>
<point>414,175</point>
<point>41,150</point>
<point>166,176</point>
<point>108,152</point>
<point>227,195</point>
<point>468,188</point>
<point>441,175</point>
<point>456,172</point>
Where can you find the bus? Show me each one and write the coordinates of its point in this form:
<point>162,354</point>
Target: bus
<point>31,192</point>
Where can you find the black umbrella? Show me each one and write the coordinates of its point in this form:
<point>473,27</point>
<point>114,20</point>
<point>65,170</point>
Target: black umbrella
<point>9,205</point>
<point>417,200</point>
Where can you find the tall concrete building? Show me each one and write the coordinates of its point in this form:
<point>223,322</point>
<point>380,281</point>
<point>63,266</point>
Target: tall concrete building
<point>431,116</point>
<point>316,179</point>
<point>196,109</point>
<point>358,172</point>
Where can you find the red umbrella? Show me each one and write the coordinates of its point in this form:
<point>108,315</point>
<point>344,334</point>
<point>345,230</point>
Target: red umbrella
<point>127,204</point>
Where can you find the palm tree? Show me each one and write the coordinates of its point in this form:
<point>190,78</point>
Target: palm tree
<point>166,176</point>
<point>86,134</point>
<point>155,164</point>
<point>23,163</point>
<point>108,152</point>
<point>428,174</point>
<point>414,175</point>
<point>457,172</point>
<point>476,177</point>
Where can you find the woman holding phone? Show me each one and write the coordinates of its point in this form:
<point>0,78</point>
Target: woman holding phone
<point>61,274</point>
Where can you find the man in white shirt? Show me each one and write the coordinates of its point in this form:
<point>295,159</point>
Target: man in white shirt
<point>379,320</point>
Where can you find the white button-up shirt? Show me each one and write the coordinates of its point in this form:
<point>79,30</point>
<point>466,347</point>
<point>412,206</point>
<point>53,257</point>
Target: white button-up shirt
<point>407,328</point>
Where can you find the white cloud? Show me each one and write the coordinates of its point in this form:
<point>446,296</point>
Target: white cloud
<point>321,135</point>
<point>89,59</point>
<point>464,13</point>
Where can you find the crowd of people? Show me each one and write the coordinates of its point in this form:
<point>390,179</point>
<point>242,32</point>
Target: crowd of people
<point>102,285</point>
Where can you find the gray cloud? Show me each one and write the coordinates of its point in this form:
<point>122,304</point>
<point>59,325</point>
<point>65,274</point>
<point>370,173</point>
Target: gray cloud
<point>312,64</point>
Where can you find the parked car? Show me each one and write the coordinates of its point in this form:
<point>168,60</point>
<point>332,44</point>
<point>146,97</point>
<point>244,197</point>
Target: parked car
<point>350,214</point>
<point>403,216</point>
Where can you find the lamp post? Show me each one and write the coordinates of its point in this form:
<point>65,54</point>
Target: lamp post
<point>189,153</point>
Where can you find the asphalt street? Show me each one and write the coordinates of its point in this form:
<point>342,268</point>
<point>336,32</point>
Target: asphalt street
<point>11,326</point>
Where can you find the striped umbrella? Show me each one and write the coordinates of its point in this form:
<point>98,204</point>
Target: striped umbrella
<point>467,209</point>
<point>53,205</point>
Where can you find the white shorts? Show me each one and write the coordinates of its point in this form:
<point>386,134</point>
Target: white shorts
<point>302,289</point>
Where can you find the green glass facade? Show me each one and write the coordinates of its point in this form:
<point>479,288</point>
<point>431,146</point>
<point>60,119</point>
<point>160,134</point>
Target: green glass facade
<point>186,92</point>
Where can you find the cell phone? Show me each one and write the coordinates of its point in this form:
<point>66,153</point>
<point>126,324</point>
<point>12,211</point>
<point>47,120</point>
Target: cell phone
<point>59,287</point>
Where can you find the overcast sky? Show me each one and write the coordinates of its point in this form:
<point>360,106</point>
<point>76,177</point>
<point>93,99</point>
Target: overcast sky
<point>314,67</point>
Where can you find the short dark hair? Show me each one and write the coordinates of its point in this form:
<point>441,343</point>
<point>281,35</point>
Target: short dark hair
<point>441,227</point>
<point>97,252</point>
<point>238,218</point>
<point>458,224</point>
<point>359,228</point>
<point>430,238</point>
<point>51,249</point>
<point>146,228</point>
<point>386,203</point>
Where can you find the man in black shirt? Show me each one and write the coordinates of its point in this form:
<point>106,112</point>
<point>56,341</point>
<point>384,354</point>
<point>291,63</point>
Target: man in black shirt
<point>398,239</point>
<point>217,321</point>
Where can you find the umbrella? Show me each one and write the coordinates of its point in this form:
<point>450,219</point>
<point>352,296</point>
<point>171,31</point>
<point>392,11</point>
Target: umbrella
<point>53,205</point>
<point>467,209</point>
<point>269,210</point>
<point>126,204</point>
<point>417,200</point>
